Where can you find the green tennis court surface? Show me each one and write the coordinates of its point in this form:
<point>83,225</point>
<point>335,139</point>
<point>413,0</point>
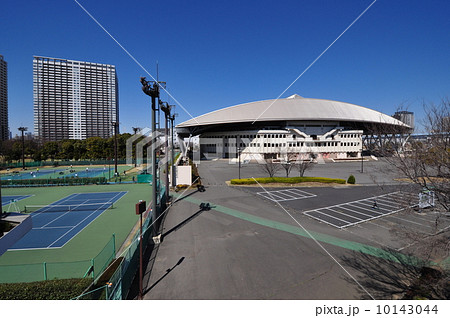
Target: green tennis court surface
<point>92,243</point>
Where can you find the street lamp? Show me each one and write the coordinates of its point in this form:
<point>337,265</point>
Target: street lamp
<point>23,129</point>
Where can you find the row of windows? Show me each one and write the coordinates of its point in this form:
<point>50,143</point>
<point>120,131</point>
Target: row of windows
<point>350,135</point>
<point>297,144</point>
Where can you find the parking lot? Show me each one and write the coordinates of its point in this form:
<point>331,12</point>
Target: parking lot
<point>370,214</point>
<point>355,212</point>
<point>286,195</point>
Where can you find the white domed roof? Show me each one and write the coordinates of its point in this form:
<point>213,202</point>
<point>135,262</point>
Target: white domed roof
<point>293,108</point>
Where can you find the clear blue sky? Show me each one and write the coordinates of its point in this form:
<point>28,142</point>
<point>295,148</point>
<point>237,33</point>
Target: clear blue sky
<point>215,54</point>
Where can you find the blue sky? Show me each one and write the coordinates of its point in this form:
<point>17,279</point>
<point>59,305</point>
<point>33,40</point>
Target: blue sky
<point>214,54</point>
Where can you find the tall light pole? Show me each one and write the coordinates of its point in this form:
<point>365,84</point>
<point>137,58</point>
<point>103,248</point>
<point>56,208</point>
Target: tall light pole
<point>174,176</point>
<point>151,88</point>
<point>239,160</point>
<point>362,158</point>
<point>165,107</point>
<point>116,128</point>
<point>135,130</point>
<point>23,129</point>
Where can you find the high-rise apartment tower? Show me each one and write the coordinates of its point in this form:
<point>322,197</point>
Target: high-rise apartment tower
<point>73,99</point>
<point>4,129</point>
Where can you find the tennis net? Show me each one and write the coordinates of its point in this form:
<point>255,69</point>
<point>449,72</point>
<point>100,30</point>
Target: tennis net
<point>68,207</point>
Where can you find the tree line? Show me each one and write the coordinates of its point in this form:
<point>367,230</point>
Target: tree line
<point>93,148</point>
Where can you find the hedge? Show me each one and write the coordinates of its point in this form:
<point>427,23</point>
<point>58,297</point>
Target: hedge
<point>286,180</point>
<point>62,289</point>
<point>58,181</point>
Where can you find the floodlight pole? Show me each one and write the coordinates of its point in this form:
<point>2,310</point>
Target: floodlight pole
<point>23,129</point>
<point>151,88</point>
<point>165,107</point>
<point>135,130</point>
<point>174,180</point>
<point>116,126</point>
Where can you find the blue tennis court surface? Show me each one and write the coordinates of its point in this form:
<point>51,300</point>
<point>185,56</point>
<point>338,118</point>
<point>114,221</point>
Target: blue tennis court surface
<point>7,199</point>
<point>54,225</point>
<point>61,173</point>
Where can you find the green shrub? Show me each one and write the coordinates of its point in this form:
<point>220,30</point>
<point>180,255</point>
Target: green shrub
<point>351,179</point>
<point>285,180</point>
<point>59,181</point>
<point>51,289</point>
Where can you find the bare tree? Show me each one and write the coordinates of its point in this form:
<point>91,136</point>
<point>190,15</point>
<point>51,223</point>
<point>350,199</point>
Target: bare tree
<point>425,163</point>
<point>305,164</point>
<point>289,162</point>
<point>270,167</point>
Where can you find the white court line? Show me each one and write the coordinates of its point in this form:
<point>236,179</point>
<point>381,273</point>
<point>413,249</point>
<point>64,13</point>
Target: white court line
<point>53,227</point>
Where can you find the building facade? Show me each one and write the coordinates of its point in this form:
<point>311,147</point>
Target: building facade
<point>4,128</point>
<point>287,129</point>
<point>73,99</point>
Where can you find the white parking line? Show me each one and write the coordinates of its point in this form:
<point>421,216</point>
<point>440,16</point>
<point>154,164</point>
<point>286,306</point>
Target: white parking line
<point>381,206</point>
<point>286,195</point>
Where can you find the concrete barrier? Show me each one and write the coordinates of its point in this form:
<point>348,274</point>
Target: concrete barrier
<point>11,237</point>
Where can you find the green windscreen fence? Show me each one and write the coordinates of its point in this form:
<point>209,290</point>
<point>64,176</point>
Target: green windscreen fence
<point>24,273</point>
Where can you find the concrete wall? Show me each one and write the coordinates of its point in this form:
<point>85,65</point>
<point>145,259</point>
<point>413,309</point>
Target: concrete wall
<point>8,240</point>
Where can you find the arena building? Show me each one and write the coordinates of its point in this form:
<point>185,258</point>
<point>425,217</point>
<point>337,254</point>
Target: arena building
<point>282,128</point>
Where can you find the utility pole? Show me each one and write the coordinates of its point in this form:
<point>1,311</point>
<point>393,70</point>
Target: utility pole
<point>23,129</point>
<point>151,88</point>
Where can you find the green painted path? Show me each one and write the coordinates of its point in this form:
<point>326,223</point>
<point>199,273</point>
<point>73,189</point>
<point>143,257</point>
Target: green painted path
<point>350,245</point>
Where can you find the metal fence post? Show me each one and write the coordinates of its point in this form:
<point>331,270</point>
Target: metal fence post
<point>45,270</point>
<point>114,244</point>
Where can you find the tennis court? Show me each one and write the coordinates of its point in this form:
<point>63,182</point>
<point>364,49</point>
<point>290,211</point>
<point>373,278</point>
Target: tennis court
<point>355,212</point>
<point>48,173</point>
<point>56,224</point>
<point>7,199</point>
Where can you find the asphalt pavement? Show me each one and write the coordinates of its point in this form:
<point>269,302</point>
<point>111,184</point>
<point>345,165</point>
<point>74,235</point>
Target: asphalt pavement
<point>248,246</point>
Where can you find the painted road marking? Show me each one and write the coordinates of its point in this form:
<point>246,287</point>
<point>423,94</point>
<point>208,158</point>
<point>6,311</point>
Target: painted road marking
<point>286,195</point>
<point>338,215</point>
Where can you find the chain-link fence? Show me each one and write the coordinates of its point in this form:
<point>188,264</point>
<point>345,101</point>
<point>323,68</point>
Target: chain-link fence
<point>23,273</point>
